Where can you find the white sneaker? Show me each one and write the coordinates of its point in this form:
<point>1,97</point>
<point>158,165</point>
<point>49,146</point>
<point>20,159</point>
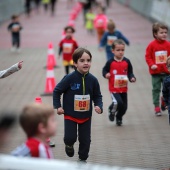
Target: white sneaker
<point>18,50</point>
<point>158,113</point>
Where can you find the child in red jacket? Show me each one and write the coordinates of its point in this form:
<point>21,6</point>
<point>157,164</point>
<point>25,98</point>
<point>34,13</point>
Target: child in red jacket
<point>67,46</point>
<point>156,55</point>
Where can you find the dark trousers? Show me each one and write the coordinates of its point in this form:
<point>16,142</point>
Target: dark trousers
<point>84,136</point>
<point>16,40</point>
<point>120,101</point>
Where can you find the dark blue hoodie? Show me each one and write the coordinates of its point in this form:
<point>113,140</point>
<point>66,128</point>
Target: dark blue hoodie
<point>73,84</point>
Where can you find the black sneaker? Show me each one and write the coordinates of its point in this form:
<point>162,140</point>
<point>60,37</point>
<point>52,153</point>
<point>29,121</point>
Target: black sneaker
<point>111,115</point>
<point>69,150</point>
<point>51,144</point>
<point>118,122</point>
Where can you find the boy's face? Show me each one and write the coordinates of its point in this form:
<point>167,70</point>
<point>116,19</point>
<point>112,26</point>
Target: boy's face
<point>69,33</point>
<point>161,34</point>
<point>119,51</point>
<point>83,64</point>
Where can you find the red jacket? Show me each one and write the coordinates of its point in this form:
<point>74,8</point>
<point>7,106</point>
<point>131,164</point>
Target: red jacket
<point>156,54</point>
<point>67,47</point>
<point>120,72</point>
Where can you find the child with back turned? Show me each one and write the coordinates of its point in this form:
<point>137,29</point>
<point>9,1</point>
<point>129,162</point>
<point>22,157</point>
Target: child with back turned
<point>38,122</point>
<point>156,55</point>
<point>79,89</point>
<point>15,27</point>
<point>118,70</point>
<point>109,37</point>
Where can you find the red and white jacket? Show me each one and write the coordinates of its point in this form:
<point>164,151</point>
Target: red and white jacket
<point>120,72</point>
<point>33,148</point>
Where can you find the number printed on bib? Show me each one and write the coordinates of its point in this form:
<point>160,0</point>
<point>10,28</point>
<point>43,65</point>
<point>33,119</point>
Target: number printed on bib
<point>120,81</point>
<point>81,103</point>
<point>160,57</point>
<point>67,47</point>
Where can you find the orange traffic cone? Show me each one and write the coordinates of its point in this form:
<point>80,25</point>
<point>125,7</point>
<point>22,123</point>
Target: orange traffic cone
<point>38,100</point>
<point>50,82</point>
<point>51,61</point>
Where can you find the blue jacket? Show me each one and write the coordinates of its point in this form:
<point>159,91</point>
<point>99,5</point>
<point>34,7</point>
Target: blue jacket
<point>77,84</point>
<point>116,35</point>
<point>166,91</point>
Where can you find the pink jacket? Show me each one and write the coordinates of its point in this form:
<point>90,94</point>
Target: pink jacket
<point>100,21</point>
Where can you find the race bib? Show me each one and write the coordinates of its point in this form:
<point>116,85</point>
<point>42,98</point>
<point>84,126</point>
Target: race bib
<point>81,103</point>
<point>67,47</point>
<point>110,40</point>
<point>99,22</point>
<point>120,81</point>
<point>160,57</point>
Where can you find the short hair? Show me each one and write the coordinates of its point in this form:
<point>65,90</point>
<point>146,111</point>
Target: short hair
<point>119,42</point>
<point>69,27</point>
<point>79,52</point>
<point>34,114</point>
<point>111,25</point>
<point>156,26</point>
<point>14,17</point>
<point>167,61</point>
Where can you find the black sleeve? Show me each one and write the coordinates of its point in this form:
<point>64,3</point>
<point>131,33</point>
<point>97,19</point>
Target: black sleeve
<point>60,50</point>
<point>9,27</point>
<point>130,70</point>
<point>106,68</point>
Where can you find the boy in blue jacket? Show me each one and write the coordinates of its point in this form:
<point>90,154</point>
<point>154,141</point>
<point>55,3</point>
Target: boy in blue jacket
<point>109,37</point>
<point>79,89</point>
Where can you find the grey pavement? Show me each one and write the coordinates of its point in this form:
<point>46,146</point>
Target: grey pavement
<point>142,141</point>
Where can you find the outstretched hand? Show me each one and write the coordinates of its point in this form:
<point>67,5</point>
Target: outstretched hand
<point>20,64</point>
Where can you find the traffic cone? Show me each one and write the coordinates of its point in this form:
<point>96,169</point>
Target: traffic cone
<point>50,82</point>
<point>51,61</point>
<point>38,100</point>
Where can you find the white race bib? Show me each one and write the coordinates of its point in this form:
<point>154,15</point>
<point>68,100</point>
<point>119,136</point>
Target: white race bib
<point>120,81</point>
<point>160,57</point>
<point>111,39</point>
<point>67,47</point>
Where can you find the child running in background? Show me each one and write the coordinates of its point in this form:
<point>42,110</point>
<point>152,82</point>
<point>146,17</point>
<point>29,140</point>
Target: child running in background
<point>109,37</point>
<point>156,55</point>
<point>15,27</point>
<point>166,89</point>
<point>39,123</point>
<point>100,22</point>
<point>67,46</point>
<point>79,89</point>
<point>89,21</point>
<point>118,70</point>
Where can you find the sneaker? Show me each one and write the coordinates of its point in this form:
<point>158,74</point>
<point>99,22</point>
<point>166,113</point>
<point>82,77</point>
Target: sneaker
<point>162,104</point>
<point>18,50</point>
<point>69,150</point>
<point>158,111</point>
<point>119,122</point>
<point>51,144</point>
<point>111,115</point>
<point>13,49</point>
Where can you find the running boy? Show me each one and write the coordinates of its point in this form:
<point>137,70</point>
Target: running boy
<point>109,37</point>
<point>15,27</point>
<point>38,122</point>
<point>79,89</point>
<point>67,46</point>
<point>118,70</point>
<point>156,55</point>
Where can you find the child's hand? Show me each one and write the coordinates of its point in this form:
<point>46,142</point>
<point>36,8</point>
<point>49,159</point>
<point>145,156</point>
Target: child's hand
<point>60,111</point>
<point>154,67</point>
<point>107,75</point>
<point>97,109</point>
<point>20,64</point>
<point>166,107</point>
<point>132,79</point>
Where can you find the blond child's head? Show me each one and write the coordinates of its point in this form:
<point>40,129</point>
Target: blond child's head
<point>38,119</point>
<point>160,31</point>
<point>111,26</point>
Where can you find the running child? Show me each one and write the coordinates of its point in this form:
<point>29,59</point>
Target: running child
<point>118,71</point>
<point>79,88</point>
